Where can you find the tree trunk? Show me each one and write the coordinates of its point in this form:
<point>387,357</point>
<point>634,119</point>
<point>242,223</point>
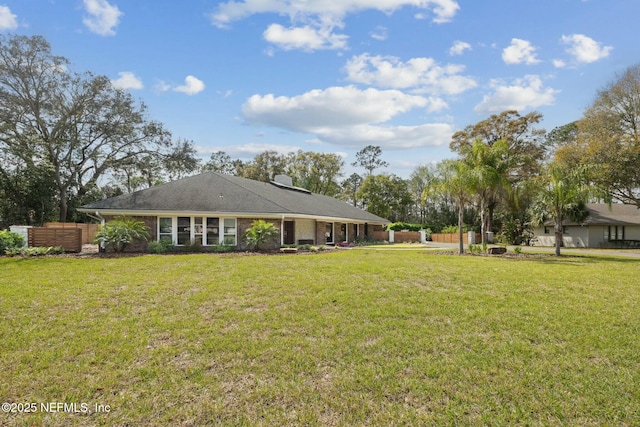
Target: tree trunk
<point>558,234</point>
<point>62,194</point>
<point>483,223</point>
<point>492,207</point>
<point>62,217</point>
<point>460,226</point>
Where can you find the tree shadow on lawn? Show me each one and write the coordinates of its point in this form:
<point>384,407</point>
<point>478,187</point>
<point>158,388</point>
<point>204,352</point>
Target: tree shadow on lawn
<point>577,259</point>
<point>547,258</point>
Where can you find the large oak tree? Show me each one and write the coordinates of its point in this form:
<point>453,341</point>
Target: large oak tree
<point>609,137</point>
<point>78,125</point>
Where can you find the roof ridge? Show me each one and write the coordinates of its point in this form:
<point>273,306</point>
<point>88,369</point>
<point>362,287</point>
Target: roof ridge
<point>251,190</point>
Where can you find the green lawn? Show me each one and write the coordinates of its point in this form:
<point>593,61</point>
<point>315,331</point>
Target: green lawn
<point>350,338</point>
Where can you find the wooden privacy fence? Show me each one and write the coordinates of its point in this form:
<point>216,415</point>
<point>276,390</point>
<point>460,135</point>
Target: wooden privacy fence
<point>68,238</point>
<point>380,236</point>
<point>88,230</point>
<point>406,236</point>
<point>453,238</point>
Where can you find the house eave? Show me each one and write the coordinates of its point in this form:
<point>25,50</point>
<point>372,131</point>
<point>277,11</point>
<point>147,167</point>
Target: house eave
<point>265,215</point>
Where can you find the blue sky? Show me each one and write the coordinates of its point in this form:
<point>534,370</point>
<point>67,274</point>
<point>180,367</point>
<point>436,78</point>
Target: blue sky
<point>247,76</point>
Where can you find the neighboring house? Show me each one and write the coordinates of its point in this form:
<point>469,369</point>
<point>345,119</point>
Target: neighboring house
<point>616,225</point>
<point>214,209</point>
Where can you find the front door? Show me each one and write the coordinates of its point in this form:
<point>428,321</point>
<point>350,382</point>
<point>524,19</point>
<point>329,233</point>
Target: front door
<point>289,233</point>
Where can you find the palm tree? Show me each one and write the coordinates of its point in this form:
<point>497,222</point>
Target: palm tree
<point>562,195</point>
<point>260,233</point>
<point>456,182</point>
<point>488,169</point>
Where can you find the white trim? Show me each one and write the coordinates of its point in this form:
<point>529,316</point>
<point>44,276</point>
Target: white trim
<point>157,213</point>
<point>333,233</point>
<point>221,232</point>
<point>282,231</point>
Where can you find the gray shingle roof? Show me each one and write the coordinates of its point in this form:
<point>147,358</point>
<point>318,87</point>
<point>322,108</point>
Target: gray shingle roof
<point>603,214</point>
<point>616,214</point>
<point>212,192</point>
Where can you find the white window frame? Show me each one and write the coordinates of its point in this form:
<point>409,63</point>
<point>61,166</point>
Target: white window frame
<point>233,234</point>
<point>205,237</point>
<point>164,235</point>
<point>333,233</point>
<point>226,235</point>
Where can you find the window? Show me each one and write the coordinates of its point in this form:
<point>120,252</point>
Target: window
<point>614,232</point>
<point>229,232</point>
<point>328,234</point>
<point>213,231</point>
<point>184,230</point>
<point>198,231</point>
<point>165,229</point>
<point>546,230</point>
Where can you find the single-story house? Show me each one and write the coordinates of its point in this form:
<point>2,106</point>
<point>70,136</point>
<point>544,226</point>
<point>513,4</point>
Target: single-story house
<point>212,209</point>
<point>614,225</point>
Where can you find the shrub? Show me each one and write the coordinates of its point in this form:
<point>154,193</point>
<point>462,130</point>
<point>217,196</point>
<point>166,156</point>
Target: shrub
<point>192,247</point>
<point>475,249</point>
<point>450,229</point>
<point>260,233</point>
<point>120,232</point>
<point>400,226</point>
<point>453,229</point>
<point>513,232</point>
<point>220,249</point>
<point>161,247</point>
<point>35,251</point>
<point>10,240</point>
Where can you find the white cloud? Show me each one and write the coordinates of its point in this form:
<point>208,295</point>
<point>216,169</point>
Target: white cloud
<point>127,80</point>
<point>162,86</point>
<point>427,135</point>
<point>313,21</point>
<point>103,17</point>
<point>520,51</point>
<point>380,33</point>
<point>8,21</point>
<point>226,13</point>
<point>435,104</point>
<point>559,63</point>
<point>424,75</point>
<point>459,47</point>
<point>226,93</point>
<point>192,86</point>
<point>585,49</point>
<point>346,116</point>
<point>305,38</point>
<point>522,94</point>
<point>332,107</point>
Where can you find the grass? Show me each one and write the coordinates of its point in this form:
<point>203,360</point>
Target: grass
<point>349,338</point>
